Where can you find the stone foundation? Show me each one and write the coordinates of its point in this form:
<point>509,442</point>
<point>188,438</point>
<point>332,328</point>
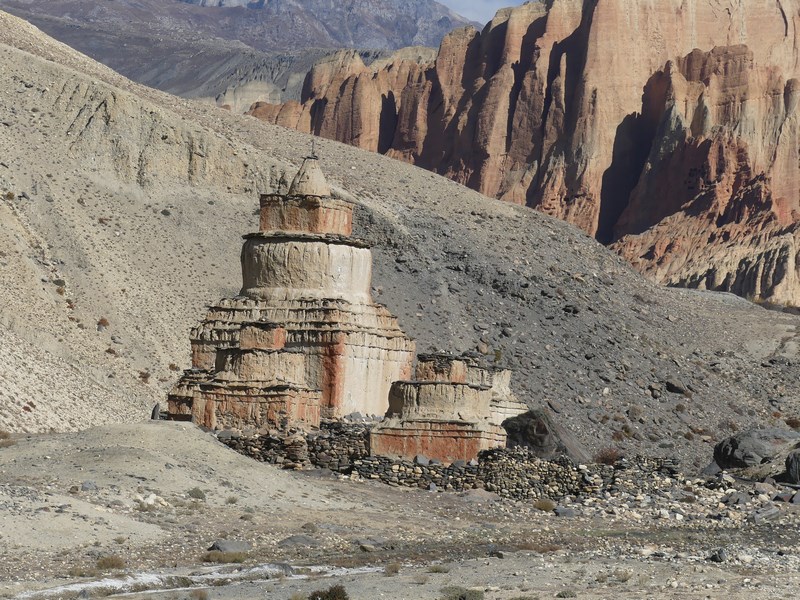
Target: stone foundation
<point>344,448</point>
<point>445,441</point>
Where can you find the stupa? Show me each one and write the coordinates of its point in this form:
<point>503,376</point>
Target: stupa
<point>453,409</point>
<point>304,338</point>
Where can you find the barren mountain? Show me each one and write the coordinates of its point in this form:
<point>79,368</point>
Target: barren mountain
<point>668,128</point>
<point>123,214</point>
<point>234,55</point>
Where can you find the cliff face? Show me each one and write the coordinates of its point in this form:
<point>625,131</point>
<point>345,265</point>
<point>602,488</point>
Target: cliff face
<point>637,121</point>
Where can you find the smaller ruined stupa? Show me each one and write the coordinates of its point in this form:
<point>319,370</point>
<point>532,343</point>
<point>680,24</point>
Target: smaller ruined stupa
<point>454,409</point>
<point>303,339</point>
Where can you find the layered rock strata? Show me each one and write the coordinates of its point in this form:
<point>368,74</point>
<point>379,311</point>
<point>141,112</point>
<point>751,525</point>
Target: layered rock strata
<point>304,339</point>
<point>451,411</point>
<point>673,120</point>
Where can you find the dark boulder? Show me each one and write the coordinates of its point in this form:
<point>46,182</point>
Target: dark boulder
<point>754,447</point>
<point>538,431</point>
<point>793,467</point>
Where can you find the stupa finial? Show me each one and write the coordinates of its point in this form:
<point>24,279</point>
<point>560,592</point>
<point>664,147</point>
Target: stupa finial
<point>309,180</point>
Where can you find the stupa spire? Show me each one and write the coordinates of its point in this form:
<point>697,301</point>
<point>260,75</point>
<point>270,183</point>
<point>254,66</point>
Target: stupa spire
<point>310,180</point>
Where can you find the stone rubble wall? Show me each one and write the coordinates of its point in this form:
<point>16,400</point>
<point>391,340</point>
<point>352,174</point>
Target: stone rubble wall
<point>514,473</point>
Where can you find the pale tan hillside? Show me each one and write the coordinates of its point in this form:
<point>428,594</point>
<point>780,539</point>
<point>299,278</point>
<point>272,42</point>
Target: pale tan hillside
<point>134,202</point>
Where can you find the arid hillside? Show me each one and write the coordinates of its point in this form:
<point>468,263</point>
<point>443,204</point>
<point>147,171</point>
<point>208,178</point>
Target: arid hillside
<point>123,210</point>
<point>668,129</point>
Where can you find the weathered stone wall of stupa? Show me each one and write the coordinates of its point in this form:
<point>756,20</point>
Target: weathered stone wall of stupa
<point>453,410</point>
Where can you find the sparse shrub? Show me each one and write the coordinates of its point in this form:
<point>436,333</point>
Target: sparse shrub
<point>79,571</point>
<point>174,367</point>
<point>297,596</point>
<point>196,493</point>
<point>622,576</point>
<point>5,439</point>
<point>680,408</point>
<point>793,422</point>
<point>144,376</point>
<point>438,569</point>
<point>199,595</point>
<point>103,322</point>
<point>225,558</point>
<point>459,593</point>
<point>112,561</point>
<point>544,505</point>
<point>10,195</point>
<point>391,569</point>
<point>336,592</point>
<point>566,594</point>
<point>607,456</point>
<point>231,500</point>
<point>540,547</point>
<point>120,539</point>
<point>420,579</point>
<point>617,436</point>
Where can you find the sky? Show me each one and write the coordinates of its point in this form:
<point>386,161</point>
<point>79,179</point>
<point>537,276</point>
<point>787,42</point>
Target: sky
<point>479,10</point>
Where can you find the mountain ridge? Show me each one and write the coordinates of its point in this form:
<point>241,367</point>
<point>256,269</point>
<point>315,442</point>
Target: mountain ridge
<point>637,144</point>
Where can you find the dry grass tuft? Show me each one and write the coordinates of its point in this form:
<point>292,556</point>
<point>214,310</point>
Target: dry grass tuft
<point>110,562</point>
<point>608,456</point>
<point>224,558</point>
<point>336,592</point>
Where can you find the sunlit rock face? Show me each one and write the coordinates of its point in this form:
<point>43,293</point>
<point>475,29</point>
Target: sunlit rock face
<point>668,128</point>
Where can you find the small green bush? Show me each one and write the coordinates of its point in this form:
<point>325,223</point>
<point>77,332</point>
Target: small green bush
<point>196,493</point>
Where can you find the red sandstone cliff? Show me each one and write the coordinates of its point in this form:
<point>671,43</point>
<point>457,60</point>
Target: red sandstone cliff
<point>669,127</point>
